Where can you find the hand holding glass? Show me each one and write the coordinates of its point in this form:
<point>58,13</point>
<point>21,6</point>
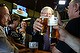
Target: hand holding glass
<point>44,22</point>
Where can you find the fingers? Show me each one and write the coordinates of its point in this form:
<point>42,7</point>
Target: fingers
<point>55,50</point>
<point>38,20</point>
<point>37,25</point>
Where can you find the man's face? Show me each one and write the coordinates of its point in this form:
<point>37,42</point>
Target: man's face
<point>46,13</point>
<point>5,17</point>
<point>71,10</point>
<point>17,22</point>
<point>23,24</point>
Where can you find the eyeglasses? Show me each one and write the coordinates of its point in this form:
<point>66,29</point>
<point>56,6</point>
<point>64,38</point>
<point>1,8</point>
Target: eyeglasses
<point>1,5</point>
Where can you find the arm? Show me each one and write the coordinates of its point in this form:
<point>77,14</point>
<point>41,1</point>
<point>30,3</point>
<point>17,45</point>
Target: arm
<point>4,43</point>
<point>37,26</point>
<point>11,40</point>
<point>72,41</point>
<point>5,46</point>
<point>55,50</point>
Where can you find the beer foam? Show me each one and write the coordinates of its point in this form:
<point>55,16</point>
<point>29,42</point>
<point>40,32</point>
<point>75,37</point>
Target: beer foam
<point>52,21</point>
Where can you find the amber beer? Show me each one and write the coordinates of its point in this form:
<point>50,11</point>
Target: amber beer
<point>53,21</point>
<point>44,22</point>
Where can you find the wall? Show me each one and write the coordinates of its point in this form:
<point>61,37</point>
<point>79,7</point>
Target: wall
<point>30,12</point>
<point>33,13</point>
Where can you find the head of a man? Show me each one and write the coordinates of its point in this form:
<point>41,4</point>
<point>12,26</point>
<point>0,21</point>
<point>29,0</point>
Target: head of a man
<point>46,11</point>
<point>4,15</point>
<point>24,24</point>
<point>15,20</point>
<point>74,9</point>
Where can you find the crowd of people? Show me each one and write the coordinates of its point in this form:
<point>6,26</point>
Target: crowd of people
<point>16,35</point>
<point>68,41</point>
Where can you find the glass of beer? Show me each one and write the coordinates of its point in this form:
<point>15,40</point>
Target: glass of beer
<point>33,46</point>
<point>44,22</point>
<point>52,21</point>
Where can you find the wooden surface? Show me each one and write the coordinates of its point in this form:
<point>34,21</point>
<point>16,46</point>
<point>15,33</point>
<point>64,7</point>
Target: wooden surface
<point>38,51</point>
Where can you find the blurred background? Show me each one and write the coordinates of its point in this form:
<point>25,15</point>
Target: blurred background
<point>32,8</point>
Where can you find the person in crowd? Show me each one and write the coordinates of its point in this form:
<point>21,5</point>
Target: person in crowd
<point>69,41</point>
<point>23,26</point>
<point>29,28</point>
<point>12,32</point>
<point>13,24</point>
<point>23,30</point>
<point>37,27</point>
<point>5,46</point>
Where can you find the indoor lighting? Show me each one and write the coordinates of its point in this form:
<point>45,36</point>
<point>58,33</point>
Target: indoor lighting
<point>62,2</point>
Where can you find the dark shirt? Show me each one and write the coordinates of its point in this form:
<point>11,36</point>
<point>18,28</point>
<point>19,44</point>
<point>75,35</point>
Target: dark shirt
<point>35,37</point>
<point>17,37</point>
<point>73,27</point>
<point>64,48</point>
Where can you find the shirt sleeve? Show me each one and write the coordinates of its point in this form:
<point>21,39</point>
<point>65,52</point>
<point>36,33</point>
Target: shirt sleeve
<point>64,48</point>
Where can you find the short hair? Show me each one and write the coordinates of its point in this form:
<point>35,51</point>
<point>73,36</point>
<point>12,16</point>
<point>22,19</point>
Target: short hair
<point>2,5</point>
<point>76,1</point>
<point>47,7</point>
<point>14,17</point>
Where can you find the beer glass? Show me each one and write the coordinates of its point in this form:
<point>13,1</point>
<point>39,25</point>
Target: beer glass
<point>33,46</point>
<point>44,22</point>
<point>52,21</point>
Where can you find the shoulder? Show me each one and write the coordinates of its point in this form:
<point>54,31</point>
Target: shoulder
<point>74,21</point>
<point>2,34</point>
<point>73,27</point>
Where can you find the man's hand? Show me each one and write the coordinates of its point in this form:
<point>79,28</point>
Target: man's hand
<point>55,50</point>
<point>37,26</point>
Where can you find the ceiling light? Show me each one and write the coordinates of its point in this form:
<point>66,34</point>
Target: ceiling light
<point>62,2</point>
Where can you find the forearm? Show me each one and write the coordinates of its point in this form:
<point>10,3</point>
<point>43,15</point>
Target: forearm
<point>55,50</point>
<point>72,41</point>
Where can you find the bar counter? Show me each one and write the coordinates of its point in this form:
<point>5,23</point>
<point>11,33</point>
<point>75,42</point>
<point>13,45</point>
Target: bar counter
<point>27,50</point>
